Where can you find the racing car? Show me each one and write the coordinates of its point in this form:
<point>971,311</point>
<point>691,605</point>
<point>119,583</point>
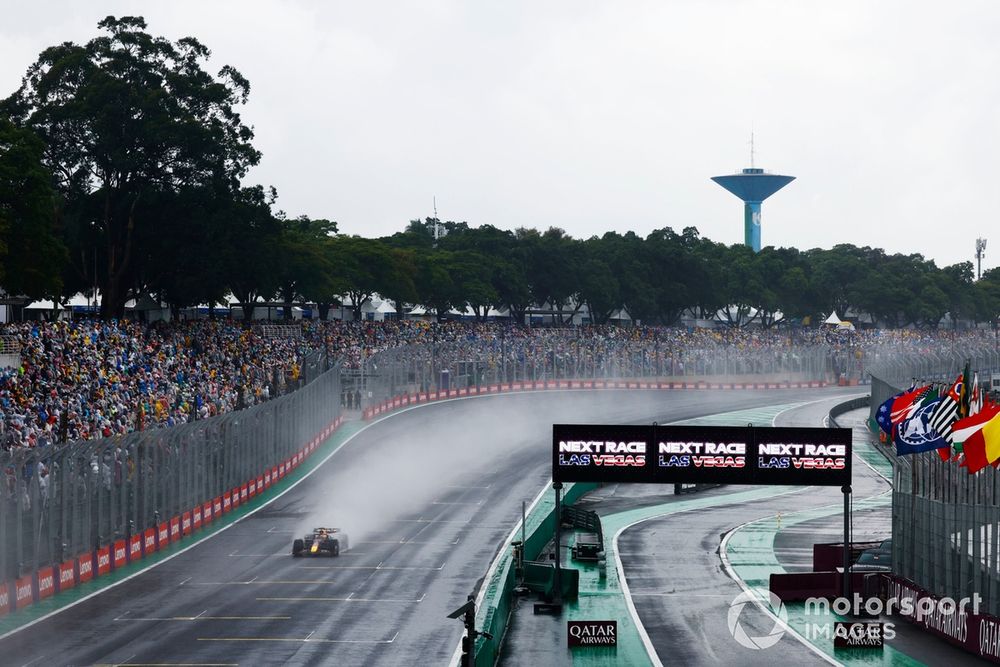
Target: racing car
<point>320,541</point>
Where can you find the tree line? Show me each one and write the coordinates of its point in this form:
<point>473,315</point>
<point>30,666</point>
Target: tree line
<point>122,167</point>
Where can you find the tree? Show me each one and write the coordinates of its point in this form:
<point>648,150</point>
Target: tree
<point>32,255</point>
<point>987,295</point>
<point>301,259</point>
<point>123,117</point>
<point>956,283</point>
<point>363,266</point>
<point>435,286</point>
<point>472,274</point>
<point>552,269</point>
<point>741,284</point>
<point>249,239</point>
<point>598,287</point>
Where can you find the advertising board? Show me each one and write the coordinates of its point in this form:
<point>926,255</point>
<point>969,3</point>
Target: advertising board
<point>701,454</point>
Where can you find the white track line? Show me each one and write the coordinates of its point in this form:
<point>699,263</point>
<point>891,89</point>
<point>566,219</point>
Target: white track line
<point>457,656</point>
<point>731,572</point>
<point>650,650</point>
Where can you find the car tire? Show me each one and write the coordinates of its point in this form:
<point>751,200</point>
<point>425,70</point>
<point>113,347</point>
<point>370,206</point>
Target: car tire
<point>336,549</point>
<point>298,546</point>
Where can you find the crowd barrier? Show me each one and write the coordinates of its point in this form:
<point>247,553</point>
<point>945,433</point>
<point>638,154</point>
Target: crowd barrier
<point>71,512</point>
<point>50,580</point>
<point>407,399</point>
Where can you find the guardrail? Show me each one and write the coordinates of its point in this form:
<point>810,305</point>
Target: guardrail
<point>847,406</point>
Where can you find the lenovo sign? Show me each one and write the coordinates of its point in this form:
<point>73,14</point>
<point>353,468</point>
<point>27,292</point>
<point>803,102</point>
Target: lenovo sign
<point>701,454</point>
<point>46,582</point>
<point>23,591</point>
<point>4,599</point>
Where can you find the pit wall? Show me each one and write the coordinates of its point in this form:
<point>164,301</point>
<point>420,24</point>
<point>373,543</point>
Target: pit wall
<point>407,399</point>
<point>493,614</point>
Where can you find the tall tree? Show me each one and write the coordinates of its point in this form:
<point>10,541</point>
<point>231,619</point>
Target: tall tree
<point>127,115</point>
<point>250,234</point>
<point>31,254</point>
<point>301,259</point>
<point>364,266</point>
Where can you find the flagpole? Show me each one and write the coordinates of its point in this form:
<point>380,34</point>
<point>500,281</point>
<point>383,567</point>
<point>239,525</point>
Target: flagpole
<point>846,490</point>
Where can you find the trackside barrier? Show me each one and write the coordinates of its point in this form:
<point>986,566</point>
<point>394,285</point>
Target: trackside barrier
<point>87,498</point>
<point>493,614</point>
<point>50,580</point>
<point>402,400</point>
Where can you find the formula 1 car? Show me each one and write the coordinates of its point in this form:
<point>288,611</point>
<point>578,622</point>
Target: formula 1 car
<point>320,541</point>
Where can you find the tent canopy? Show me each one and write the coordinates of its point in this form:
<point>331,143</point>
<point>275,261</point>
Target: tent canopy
<point>834,319</point>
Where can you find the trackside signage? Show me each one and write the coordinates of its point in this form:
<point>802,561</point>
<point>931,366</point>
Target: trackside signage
<point>46,582</point>
<point>858,635</point>
<point>701,454</point>
<point>592,633</point>
<point>23,590</point>
<point>86,567</point>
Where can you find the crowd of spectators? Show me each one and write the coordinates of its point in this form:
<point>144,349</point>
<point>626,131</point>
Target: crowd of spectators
<point>87,379</point>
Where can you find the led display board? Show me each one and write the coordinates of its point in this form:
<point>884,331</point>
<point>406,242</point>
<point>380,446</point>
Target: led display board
<point>701,454</point>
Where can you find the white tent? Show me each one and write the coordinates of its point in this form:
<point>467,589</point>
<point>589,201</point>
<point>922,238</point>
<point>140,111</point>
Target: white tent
<point>834,319</point>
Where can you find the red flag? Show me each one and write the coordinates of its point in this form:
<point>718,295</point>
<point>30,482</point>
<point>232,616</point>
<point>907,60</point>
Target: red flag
<point>975,453</point>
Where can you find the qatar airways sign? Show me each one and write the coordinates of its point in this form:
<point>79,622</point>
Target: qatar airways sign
<point>701,454</point>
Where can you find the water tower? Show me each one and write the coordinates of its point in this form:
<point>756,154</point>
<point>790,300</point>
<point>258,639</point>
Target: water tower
<point>753,186</point>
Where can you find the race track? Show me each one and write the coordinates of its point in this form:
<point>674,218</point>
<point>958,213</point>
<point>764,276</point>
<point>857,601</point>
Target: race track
<point>684,606</point>
<point>426,496</point>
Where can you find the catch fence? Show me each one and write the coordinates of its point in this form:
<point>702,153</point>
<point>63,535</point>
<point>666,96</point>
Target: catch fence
<point>456,365</point>
<point>68,499</point>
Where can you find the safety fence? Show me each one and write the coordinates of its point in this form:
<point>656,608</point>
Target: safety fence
<point>406,399</point>
<point>944,364</point>
<point>427,369</point>
<point>74,511</point>
<point>945,522</point>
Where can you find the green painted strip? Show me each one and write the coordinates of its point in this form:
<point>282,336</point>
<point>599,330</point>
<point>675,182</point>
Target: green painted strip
<point>750,550</point>
<point>33,612</point>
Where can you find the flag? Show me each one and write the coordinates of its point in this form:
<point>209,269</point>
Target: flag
<point>966,427</point>
<point>883,413</point>
<point>976,402</point>
<point>947,411</point>
<point>991,434</point>
<point>915,434</point>
<point>906,403</point>
<point>969,431</point>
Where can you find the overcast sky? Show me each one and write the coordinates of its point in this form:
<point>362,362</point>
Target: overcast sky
<point>593,116</point>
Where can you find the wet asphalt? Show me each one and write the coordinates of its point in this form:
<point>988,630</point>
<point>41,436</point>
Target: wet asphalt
<point>426,496</point>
